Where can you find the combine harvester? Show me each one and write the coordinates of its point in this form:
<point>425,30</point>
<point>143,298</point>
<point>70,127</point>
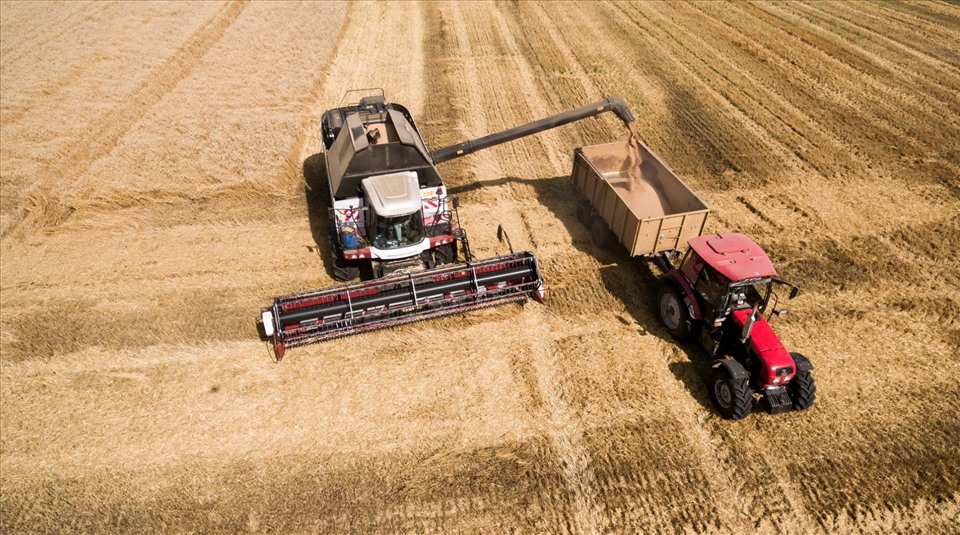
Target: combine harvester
<point>717,293</point>
<point>395,227</point>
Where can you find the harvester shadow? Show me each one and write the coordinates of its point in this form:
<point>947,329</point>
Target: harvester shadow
<point>629,279</point>
<point>318,201</point>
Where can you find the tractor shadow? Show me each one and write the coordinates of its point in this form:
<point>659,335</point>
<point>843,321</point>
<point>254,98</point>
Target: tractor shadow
<point>317,197</point>
<point>629,279</point>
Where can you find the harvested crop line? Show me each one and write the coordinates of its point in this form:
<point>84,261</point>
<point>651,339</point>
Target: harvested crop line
<point>107,132</point>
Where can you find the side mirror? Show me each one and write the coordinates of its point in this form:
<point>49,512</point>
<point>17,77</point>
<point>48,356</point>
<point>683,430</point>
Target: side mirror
<point>456,202</point>
<point>794,291</point>
<point>500,233</point>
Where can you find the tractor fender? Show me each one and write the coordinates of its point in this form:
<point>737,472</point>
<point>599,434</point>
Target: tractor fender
<point>732,367</point>
<point>801,362</point>
<point>693,305</point>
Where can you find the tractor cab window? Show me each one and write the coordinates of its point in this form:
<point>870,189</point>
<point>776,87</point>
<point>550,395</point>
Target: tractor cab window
<point>713,287</point>
<point>399,231</point>
<point>749,295</point>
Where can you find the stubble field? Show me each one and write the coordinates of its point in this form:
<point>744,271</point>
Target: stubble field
<point>156,164</point>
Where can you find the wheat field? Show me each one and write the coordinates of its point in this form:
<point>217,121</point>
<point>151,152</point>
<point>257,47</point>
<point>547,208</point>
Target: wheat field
<point>159,188</point>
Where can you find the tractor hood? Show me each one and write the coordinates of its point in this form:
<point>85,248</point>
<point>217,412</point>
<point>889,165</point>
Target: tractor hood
<point>768,348</point>
<point>395,194</point>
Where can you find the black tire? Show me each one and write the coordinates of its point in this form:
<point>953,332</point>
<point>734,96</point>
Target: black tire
<point>802,389</point>
<point>344,270</point>
<point>672,311</point>
<point>583,212</point>
<point>427,257</point>
<point>732,397</point>
<point>446,254</point>
<point>601,234</point>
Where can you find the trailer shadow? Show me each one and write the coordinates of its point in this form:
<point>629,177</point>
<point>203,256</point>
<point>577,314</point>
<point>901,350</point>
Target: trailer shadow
<point>318,200</point>
<point>631,280</point>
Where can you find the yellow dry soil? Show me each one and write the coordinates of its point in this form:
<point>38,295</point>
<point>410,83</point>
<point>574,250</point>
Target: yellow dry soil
<point>154,164</point>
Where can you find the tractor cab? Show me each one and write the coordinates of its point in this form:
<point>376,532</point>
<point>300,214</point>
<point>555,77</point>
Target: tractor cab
<point>729,272</point>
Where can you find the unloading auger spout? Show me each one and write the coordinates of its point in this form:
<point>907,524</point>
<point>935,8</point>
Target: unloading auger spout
<point>615,104</point>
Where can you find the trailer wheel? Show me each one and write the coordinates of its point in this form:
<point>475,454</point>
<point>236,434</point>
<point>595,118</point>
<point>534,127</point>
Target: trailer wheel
<point>732,397</point>
<point>802,389</point>
<point>583,212</point>
<point>672,311</point>
<point>601,234</point>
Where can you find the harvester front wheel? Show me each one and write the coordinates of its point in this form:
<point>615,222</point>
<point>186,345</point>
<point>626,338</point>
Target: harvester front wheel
<point>732,397</point>
<point>446,254</point>
<point>802,389</point>
<point>344,270</point>
<point>600,233</point>
<point>672,311</point>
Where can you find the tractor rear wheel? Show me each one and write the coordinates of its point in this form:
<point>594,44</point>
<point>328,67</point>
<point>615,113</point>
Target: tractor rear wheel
<point>802,390</point>
<point>672,311</point>
<point>600,233</point>
<point>732,397</point>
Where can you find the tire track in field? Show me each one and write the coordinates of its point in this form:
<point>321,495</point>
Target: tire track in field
<point>870,87</point>
<point>827,43</point>
<point>892,43</point>
<point>920,24</point>
<point>841,101</point>
<point>45,207</point>
<point>307,141</point>
<point>767,102</point>
<point>736,149</point>
<point>483,164</point>
<point>565,431</point>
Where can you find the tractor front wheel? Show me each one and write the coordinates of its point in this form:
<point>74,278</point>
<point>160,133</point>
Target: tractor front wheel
<point>732,397</point>
<point>802,390</point>
<point>672,311</point>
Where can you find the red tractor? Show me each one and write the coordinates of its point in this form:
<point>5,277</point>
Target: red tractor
<point>720,294</point>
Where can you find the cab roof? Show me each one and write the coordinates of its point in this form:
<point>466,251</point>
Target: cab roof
<point>733,255</point>
<point>394,194</point>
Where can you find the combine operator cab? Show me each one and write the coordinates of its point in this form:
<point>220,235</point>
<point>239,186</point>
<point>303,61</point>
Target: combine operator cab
<point>723,294</point>
<point>390,209</point>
